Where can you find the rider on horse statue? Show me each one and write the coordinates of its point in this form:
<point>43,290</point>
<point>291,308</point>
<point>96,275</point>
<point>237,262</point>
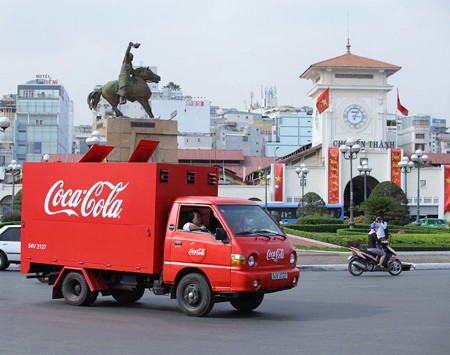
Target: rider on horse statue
<point>125,72</point>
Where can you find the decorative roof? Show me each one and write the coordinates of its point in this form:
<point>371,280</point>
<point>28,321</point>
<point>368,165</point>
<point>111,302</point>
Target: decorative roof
<point>349,60</point>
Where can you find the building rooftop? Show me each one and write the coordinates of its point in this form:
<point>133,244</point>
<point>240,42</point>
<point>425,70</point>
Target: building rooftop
<point>349,60</point>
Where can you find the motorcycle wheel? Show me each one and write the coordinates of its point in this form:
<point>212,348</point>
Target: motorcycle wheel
<point>395,268</point>
<point>353,269</point>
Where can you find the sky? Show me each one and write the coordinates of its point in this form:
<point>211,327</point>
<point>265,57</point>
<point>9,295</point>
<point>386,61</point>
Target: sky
<point>223,50</point>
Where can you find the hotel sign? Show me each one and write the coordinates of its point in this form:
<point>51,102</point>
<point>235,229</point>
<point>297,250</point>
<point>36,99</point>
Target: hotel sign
<point>46,78</point>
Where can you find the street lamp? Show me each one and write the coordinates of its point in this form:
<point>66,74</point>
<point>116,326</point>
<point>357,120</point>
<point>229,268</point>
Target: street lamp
<point>418,159</point>
<point>4,123</point>
<point>95,139</point>
<point>406,166</point>
<point>364,170</point>
<point>350,151</point>
<point>302,172</point>
<point>14,169</point>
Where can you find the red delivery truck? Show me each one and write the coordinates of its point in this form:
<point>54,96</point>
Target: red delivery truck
<point>116,229</point>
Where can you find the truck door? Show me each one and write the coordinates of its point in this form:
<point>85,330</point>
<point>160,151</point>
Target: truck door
<point>200,249</point>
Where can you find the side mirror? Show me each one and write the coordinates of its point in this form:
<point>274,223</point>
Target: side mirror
<point>221,235</point>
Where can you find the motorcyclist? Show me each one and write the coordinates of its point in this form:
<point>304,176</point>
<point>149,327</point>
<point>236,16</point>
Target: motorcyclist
<point>373,244</point>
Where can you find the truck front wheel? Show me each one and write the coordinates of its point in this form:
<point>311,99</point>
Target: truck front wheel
<point>76,290</point>
<point>194,295</point>
<point>247,302</point>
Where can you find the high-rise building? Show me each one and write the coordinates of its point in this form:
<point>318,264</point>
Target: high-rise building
<point>44,119</point>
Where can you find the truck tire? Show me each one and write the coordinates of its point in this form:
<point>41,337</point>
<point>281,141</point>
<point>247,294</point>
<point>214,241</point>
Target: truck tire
<point>3,261</point>
<point>194,295</point>
<point>124,297</point>
<point>76,290</point>
<point>247,302</point>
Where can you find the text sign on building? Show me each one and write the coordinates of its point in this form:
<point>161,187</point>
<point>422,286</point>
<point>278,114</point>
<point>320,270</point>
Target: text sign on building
<point>46,79</point>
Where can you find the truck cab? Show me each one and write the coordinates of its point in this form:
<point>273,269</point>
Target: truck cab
<point>243,255</point>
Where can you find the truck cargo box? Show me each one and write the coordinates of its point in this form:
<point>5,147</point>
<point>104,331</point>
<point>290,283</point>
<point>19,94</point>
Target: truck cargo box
<point>104,215</point>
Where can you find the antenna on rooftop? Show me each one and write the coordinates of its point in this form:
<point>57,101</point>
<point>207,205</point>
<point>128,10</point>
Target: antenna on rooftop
<point>348,34</point>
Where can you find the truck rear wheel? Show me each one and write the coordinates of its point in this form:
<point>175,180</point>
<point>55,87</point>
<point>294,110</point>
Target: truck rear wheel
<point>123,296</point>
<point>76,290</point>
<point>194,295</point>
<point>247,302</point>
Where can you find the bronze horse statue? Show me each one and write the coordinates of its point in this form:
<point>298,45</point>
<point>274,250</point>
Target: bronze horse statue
<point>137,90</point>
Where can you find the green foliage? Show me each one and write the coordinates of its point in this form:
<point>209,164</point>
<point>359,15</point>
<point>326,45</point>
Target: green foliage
<point>318,219</point>
<point>11,216</point>
<point>402,238</point>
<point>312,204</point>
<point>18,200</point>
<point>319,228</point>
<point>379,205</point>
<point>172,86</point>
<point>381,201</point>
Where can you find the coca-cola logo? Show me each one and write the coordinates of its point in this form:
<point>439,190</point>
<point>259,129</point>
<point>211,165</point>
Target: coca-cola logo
<point>275,255</point>
<point>199,251</point>
<point>101,199</point>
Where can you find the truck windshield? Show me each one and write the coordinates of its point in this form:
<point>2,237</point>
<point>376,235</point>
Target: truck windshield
<point>250,220</point>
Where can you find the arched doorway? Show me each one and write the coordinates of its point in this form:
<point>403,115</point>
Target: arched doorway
<point>358,192</point>
<point>5,204</point>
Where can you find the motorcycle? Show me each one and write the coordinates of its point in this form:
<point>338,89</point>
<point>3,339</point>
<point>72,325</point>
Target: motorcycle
<point>363,261</point>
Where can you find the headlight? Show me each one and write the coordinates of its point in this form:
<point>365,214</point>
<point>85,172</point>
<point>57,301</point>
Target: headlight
<point>251,261</point>
<point>237,259</point>
<point>293,257</point>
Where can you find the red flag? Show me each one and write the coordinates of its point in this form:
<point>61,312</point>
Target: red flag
<point>400,107</point>
<point>323,101</point>
<point>446,188</point>
<point>279,178</point>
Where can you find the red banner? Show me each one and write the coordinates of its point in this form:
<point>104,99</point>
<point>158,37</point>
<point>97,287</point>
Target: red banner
<point>446,189</point>
<point>279,169</point>
<point>333,175</point>
<point>396,156</point>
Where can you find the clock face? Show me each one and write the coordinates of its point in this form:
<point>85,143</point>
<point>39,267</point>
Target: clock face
<point>354,116</point>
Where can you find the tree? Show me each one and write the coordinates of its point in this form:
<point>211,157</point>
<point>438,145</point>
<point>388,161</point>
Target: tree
<point>172,86</point>
<point>388,200</point>
<point>312,204</point>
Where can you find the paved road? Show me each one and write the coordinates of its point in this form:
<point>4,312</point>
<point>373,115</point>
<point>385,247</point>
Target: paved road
<point>328,313</point>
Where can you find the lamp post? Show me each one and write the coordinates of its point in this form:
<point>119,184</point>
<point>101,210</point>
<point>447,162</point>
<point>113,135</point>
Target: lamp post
<point>302,173</point>
<point>14,168</point>
<point>350,151</point>
<point>262,175</point>
<point>364,170</point>
<point>418,159</point>
<point>406,166</point>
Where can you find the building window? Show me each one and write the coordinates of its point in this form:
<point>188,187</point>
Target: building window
<point>423,184</point>
<point>420,136</point>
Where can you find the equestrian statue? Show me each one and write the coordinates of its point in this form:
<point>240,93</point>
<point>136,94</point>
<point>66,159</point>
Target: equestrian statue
<point>132,86</point>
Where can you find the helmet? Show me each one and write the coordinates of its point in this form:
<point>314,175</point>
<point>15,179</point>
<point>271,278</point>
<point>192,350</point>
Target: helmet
<point>373,225</point>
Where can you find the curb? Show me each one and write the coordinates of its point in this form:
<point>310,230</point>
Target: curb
<point>343,267</point>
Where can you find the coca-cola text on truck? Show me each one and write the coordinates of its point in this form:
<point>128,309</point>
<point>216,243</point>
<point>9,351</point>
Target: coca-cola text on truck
<point>116,229</point>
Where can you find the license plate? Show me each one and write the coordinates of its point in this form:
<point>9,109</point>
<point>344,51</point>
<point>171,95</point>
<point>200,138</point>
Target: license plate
<point>279,275</point>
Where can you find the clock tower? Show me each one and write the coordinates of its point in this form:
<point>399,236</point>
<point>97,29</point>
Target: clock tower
<point>357,98</point>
